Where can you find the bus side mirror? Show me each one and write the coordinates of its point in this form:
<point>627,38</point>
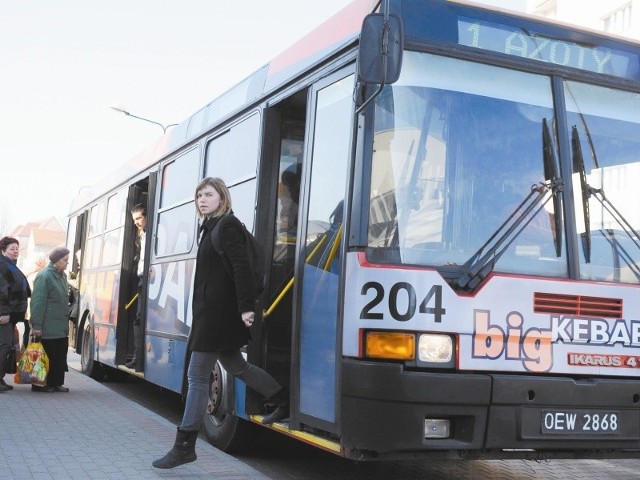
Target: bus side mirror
<point>381,46</point>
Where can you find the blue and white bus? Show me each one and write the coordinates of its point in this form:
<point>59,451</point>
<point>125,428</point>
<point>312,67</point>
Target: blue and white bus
<point>447,196</point>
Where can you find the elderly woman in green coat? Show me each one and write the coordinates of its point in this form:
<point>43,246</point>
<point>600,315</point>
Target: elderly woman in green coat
<point>50,317</point>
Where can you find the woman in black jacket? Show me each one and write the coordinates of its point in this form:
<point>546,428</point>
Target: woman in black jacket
<point>223,310</point>
<point>14,292</point>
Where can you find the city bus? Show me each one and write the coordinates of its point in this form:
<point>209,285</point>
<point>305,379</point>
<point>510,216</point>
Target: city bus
<point>447,197</point>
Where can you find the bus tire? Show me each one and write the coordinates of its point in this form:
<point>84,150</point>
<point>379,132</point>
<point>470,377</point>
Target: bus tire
<point>224,429</point>
<point>87,364</point>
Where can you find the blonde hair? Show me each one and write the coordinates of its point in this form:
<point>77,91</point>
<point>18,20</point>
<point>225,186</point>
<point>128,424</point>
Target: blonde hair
<point>219,186</point>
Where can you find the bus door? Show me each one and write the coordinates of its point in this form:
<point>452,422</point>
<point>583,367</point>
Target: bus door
<point>130,298</point>
<point>316,326</point>
<point>76,232</point>
<point>284,132</point>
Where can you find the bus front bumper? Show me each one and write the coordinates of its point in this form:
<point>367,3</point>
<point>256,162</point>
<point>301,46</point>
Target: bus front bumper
<point>384,408</point>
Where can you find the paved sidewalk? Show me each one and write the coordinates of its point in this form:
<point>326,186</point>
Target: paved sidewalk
<point>95,433</point>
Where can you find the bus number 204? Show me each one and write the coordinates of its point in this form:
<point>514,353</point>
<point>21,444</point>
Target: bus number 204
<point>402,302</point>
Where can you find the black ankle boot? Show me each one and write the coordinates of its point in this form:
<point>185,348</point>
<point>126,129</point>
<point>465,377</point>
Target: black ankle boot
<point>281,401</point>
<point>183,451</point>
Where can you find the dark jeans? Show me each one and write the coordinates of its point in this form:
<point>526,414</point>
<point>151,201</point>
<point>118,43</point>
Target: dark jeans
<point>137,328</point>
<point>199,372</point>
<point>57,349</point>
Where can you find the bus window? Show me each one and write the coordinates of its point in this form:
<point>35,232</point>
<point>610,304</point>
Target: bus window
<point>177,179</point>
<point>112,247</point>
<point>289,186</point>
<point>176,218</point>
<point>603,125</point>
<point>116,208</point>
<point>453,159</point>
<point>94,242</point>
<point>94,248</point>
<point>233,156</point>
<point>114,230</point>
<point>96,219</point>
<point>288,191</point>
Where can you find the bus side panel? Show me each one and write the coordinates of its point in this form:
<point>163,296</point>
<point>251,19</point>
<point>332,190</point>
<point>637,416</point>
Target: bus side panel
<point>240,395</point>
<point>168,322</point>
<point>164,361</point>
<point>169,302</point>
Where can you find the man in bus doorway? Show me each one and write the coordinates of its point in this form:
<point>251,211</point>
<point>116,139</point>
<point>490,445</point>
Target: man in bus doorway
<point>139,215</point>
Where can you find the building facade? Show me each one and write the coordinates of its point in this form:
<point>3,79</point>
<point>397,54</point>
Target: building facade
<point>618,17</point>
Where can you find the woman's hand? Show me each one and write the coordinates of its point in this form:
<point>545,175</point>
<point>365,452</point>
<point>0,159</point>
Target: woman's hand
<point>4,319</point>
<point>248,317</point>
<point>36,333</point>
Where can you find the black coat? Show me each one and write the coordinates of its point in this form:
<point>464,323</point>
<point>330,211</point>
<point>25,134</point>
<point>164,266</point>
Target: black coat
<point>219,300</point>
<point>14,290</point>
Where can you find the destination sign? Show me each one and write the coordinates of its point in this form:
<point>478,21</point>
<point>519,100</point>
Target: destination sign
<point>528,44</point>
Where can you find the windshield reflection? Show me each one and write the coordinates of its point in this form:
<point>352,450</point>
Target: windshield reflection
<point>604,125</point>
<point>453,158</point>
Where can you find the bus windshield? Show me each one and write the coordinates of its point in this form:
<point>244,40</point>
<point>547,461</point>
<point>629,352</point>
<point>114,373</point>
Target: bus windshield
<point>458,149</point>
<point>604,127</point>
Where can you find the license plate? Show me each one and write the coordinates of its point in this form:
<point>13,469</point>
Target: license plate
<point>587,422</point>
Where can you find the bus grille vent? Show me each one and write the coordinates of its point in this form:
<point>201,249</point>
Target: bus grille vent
<point>577,305</point>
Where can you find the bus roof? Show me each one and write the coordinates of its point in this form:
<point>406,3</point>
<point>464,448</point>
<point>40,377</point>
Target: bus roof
<point>437,21</point>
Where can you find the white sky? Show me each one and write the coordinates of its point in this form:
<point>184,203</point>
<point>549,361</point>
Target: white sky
<point>63,63</point>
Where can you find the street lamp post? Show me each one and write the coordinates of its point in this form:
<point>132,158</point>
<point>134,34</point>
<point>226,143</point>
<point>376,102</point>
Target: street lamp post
<point>119,108</point>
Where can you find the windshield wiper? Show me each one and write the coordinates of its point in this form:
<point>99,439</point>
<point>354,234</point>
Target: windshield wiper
<point>483,261</point>
<point>597,193</point>
<point>578,167</point>
<point>552,174</point>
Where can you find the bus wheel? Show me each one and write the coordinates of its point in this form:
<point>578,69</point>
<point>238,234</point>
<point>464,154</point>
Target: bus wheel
<point>223,428</point>
<point>88,364</point>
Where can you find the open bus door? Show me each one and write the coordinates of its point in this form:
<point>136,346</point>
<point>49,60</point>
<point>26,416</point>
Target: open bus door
<point>297,342</point>
<point>319,266</point>
<point>75,235</point>
<point>130,297</point>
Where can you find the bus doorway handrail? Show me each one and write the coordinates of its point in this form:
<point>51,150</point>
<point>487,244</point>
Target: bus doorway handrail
<point>332,254</point>
<point>289,284</point>
<point>131,302</point>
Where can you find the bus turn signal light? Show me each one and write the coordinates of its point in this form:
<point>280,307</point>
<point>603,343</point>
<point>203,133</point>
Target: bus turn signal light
<point>390,345</point>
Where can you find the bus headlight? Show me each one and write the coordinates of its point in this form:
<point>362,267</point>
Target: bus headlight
<point>436,349</point>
